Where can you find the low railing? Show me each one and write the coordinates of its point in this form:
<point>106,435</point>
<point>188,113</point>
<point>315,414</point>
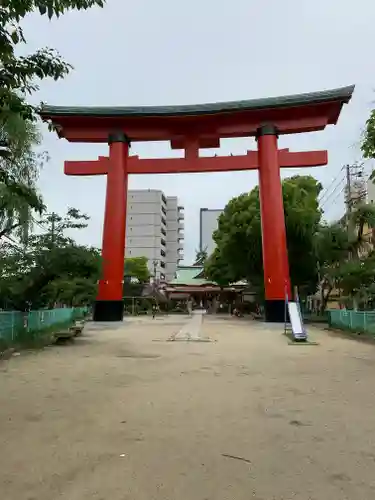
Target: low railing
<point>355,321</point>
<point>15,325</point>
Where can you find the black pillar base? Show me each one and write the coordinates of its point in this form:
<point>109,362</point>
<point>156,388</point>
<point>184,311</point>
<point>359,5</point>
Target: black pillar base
<point>108,310</point>
<point>275,311</point>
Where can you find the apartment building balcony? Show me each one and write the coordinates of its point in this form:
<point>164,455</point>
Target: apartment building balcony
<point>180,226</point>
<point>181,216</point>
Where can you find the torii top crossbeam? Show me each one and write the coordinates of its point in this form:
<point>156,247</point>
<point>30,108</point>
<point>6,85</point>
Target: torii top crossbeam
<point>206,122</point>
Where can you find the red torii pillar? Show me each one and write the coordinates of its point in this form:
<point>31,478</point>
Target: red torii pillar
<point>109,304</point>
<point>268,159</point>
<point>274,243</point>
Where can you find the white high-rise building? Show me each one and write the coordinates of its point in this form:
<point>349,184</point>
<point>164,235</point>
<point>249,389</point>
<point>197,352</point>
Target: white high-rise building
<point>153,230</point>
<point>208,223</point>
<point>175,236</point>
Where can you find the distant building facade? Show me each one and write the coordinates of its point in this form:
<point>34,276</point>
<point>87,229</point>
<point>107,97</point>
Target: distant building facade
<point>154,229</point>
<point>208,223</point>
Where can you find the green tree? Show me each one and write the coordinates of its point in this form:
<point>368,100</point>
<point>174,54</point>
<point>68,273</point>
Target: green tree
<point>368,138</point>
<point>331,246</point>
<point>19,170</point>
<point>239,238</point>
<point>55,226</point>
<point>18,74</point>
<point>51,269</point>
<point>217,269</point>
<point>362,217</point>
<point>136,267</point>
<point>136,275</point>
<point>356,280</point>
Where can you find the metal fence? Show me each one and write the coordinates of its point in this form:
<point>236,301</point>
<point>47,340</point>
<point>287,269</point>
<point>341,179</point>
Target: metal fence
<point>356,321</point>
<point>13,324</point>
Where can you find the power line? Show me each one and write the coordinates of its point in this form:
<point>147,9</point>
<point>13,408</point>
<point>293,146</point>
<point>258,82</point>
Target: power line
<point>326,191</point>
<point>342,185</point>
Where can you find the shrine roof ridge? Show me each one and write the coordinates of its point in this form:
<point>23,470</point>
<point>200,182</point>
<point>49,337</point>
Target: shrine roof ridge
<point>342,95</point>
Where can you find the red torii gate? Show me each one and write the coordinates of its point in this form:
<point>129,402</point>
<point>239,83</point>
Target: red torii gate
<point>191,128</point>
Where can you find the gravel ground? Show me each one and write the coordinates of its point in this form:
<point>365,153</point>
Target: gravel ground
<point>135,412</point>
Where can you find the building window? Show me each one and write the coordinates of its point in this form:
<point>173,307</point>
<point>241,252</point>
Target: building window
<point>162,241</point>
<point>163,231</point>
<point>163,210</point>
<point>164,221</point>
<point>162,253</point>
<point>164,199</point>
<point>162,276</point>
<point>162,264</point>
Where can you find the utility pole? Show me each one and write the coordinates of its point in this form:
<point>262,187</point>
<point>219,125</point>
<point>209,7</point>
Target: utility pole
<point>348,191</point>
<point>356,188</point>
<point>348,196</point>
<point>356,191</point>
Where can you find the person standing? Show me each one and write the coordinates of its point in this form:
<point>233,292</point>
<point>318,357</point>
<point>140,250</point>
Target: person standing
<point>154,310</point>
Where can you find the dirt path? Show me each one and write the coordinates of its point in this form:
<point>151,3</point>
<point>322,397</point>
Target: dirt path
<point>124,414</point>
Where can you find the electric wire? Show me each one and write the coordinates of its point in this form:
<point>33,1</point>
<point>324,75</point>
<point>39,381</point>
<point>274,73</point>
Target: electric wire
<point>326,191</point>
<point>322,205</point>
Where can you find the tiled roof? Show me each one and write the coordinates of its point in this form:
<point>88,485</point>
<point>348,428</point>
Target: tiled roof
<point>189,275</point>
<point>341,95</point>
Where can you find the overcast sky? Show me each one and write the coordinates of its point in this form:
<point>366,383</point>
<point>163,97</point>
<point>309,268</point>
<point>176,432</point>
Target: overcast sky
<point>149,52</point>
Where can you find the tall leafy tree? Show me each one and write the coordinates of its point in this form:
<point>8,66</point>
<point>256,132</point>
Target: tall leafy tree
<point>218,269</point>
<point>19,170</point>
<point>368,138</point>
<point>331,247</point>
<point>239,237</point>
<point>136,267</point>
<point>51,269</point>
<point>136,275</point>
<point>19,74</point>
<point>361,224</point>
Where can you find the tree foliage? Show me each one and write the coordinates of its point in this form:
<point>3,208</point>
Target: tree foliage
<point>50,270</point>
<point>136,275</point>
<point>19,171</point>
<point>239,239</point>
<point>19,74</point>
<point>218,269</point>
<point>368,138</point>
<point>136,267</point>
<point>325,257</point>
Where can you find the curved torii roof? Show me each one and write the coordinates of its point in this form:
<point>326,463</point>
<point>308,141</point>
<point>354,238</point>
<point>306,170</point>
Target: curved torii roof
<point>208,122</point>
